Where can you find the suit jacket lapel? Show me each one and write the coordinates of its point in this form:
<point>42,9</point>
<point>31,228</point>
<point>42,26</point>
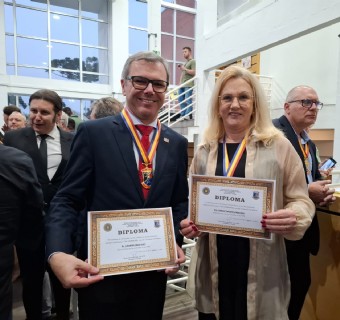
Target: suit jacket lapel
<point>291,135</point>
<point>124,142</point>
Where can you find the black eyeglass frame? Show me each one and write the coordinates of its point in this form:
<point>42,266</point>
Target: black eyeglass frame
<point>303,102</point>
<point>148,81</point>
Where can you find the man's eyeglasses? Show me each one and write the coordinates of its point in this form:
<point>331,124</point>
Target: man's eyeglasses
<point>308,103</point>
<point>242,99</point>
<point>141,83</point>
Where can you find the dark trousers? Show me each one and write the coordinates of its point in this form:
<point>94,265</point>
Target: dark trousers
<point>206,316</point>
<point>132,296</point>
<point>32,269</point>
<point>6,267</point>
<point>61,296</point>
<point>300,276</point>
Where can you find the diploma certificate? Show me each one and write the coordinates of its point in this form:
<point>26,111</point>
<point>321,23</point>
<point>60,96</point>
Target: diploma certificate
<point>125,241</point>
<point>231,206</point>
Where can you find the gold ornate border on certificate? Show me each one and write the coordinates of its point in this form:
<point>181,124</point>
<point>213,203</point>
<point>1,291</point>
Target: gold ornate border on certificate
<point>265,185</point>
<point>129,267</point>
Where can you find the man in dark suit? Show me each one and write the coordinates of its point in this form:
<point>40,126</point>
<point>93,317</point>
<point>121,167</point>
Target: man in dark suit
<point>102,174</point>
<point>301,109</point>
<point>49,149</point>
<point>21,219</point>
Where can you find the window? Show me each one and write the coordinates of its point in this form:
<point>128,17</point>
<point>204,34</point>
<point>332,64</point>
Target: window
<point>68,42</point>
<point>138,26</point>
<point>178,31</point>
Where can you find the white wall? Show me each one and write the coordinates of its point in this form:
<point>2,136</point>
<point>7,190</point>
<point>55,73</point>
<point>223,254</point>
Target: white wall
<point>270,24</point>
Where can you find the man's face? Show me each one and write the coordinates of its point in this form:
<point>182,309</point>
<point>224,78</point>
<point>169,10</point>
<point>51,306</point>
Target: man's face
<point>42,116</point>
<point>301,117</point>
<point>186,54</point>
<point>16,121</point>
<point>144,104</point>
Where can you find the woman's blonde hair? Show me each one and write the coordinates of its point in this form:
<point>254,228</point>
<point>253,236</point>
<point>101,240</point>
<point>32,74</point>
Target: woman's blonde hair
<point>261,126</point>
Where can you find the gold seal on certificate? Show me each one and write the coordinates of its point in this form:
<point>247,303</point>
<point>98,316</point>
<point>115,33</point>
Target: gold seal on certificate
<point>125,241</point>
<point>231,206</point>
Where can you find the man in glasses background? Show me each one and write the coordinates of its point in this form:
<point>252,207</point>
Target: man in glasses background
<point>301,110</point>
<point>104,173</point>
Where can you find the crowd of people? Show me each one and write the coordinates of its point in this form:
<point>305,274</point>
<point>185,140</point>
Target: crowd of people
<point>51,177</point>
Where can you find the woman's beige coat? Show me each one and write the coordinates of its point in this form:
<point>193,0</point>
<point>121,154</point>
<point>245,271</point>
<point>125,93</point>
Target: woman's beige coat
<point>268,290</point>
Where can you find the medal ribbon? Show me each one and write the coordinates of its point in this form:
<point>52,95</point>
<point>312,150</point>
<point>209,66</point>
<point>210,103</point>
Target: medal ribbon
<point>305,151</point>
<point>230,167</point>
<point>147,155</point>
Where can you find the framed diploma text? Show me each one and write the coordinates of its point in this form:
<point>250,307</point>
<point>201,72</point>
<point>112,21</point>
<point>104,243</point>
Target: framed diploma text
<point>231,206</point>
<point>126,241</point>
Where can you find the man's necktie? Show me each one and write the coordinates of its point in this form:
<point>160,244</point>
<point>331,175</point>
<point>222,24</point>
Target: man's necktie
<point>145,170</point>
<point>43,149</point>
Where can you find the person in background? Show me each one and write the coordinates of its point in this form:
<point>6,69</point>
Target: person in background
<point>105,107</point>
<point>16,120</point>
<point>73,125</point>
<point>21,218</point>
<point>49,148</point>
<point>63,121</point>
<point>185,93</point>
<point>239,278</point>
<point>301,110</point>
<point>108,176</point>
<point>6,113</point>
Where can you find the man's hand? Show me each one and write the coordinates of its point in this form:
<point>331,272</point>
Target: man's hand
<point>320,193</point>
<point>72,272</point>
<point>180,259</point>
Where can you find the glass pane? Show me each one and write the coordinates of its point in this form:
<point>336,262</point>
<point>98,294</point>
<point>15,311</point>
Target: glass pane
<point>138,41</point>
<point>167,46</point>
<point>10,70</point>
<point>188,3</point>
<point>93,78</point>
<point>185,24</point>
<point>180,43</point>
<point>65,75</point>
<point>20,101</point>
<point>65,56</point>
<point>74,104</point>
<point>31,22</point>
<point>94,33</point>
<point>31,72</point>
<point>69,6</point>
<point>138,14</point>
<point>9,24</point>
<point>171,73</point>
<point>170,1</point>
<point>95,60</point>
<point>10,49</point>
<point>25,49</point>
<point>64,28</point>
<point>36,4</point>
<point>95,9</point>
<point>167,20</point>
<point>86,106</point>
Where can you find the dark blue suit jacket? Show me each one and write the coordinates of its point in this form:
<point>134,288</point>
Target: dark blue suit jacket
<point>102,174</point>
<point>311,238</point>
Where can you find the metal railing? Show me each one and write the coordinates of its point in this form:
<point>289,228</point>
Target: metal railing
<point>170,113</point>
<point>182,274</point>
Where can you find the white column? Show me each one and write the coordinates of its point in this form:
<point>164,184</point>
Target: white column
<point>336,144</point>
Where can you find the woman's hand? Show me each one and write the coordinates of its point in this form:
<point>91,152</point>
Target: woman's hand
<point>188,229</point>
<point>281,222</point>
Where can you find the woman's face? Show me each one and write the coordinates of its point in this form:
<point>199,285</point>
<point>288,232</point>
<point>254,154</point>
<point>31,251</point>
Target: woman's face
<point>236,105</point>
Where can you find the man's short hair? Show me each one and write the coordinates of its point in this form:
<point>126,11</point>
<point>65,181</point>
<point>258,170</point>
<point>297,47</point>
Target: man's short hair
<point>9,109</point>
<point>188,48</point>
<point>68,111</point>
<point>50,96</point>
<point>148,56</point>
<point>105,107</point>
